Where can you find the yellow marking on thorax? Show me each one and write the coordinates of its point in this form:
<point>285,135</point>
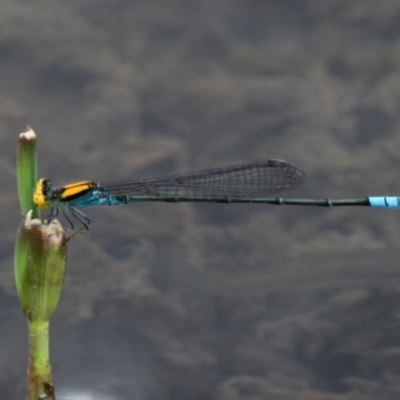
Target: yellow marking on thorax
<point>76,188</point>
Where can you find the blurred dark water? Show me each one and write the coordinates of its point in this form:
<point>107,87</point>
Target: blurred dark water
<point>220,302</point>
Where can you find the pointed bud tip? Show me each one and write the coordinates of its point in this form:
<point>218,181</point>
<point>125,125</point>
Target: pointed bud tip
<point>28,135</point>
<point>52,232</point>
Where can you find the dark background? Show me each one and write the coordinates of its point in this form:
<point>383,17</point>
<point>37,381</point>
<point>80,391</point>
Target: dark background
<point>204,302</point>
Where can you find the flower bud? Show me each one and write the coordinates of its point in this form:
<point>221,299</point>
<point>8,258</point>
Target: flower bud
<point>40,266</point>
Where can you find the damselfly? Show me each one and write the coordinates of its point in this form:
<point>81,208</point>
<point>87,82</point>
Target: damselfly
<point>245,183</point>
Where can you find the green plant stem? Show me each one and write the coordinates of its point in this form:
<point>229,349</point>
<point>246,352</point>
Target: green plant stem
<point>27,171</point>
<point>39,368</point>
<point>39,266</point>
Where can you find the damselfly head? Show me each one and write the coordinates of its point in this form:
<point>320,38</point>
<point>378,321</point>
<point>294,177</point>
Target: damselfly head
<point>42,194</point>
